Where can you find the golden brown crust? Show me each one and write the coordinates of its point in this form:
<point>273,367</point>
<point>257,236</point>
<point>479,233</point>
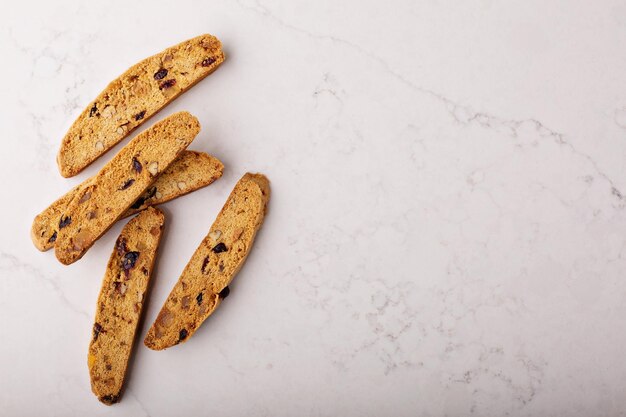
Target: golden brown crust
<point>120,303</point>
<point>204,281</point>
<point>134,97</point>
<point>189,172</point>
<point>120,182</point>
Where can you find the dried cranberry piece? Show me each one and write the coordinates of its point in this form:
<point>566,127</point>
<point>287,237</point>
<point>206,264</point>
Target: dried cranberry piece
<point>224,293</point>
<point>129,260</point>
<point>160,74</point>
<point>138,203</point>
<point>140,115</point>
<point>53,238</point>
<point>220,247</point>
<point>110,399</point>
<point>208,61</point>
<point>151,192</point>
<point>182,335</point>
<point>127,184</point>
<point>64,222</point>
<point>167,84</point>
<point>94,111</point>
<point>137,165</point>
<point>204,264</point>
<point>121,246</point>
<point>97,329</point>
<point>199,298</point>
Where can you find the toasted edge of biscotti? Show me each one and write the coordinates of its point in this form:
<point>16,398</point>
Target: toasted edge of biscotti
<point>120,182</point>
<point>120,303</point>
<point>189,172</point>
<point>134,97</point>
<point>204,281</point>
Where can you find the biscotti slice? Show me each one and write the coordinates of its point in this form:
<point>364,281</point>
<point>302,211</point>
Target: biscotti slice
<point>134,97</point>
<point>120,183</point>
<point>189,172</point>
<point>120,303</point>
<point>204,281</point>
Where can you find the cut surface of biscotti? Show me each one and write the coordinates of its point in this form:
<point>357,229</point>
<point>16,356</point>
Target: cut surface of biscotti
<point>189,172</point>
<point>134,97</point>
<point>120,303</point>
<point>120,183</point>
<point>204,281</point>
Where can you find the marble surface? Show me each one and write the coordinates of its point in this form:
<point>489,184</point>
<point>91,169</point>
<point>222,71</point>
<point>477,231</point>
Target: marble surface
<point>446,234</point>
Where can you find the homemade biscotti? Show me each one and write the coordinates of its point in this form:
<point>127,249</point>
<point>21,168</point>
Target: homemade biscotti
<point>204,281</point>
<point>189,172</point>
<point>119,183</point>
<point>120,303</point>
<point>134,97</point>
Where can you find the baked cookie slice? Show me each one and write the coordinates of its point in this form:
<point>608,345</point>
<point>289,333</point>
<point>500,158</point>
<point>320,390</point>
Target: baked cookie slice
<point>189,172</point>
<point>120,303</point>
<point>134,97</point>
<point>204,281</point>
<point>96,207</point>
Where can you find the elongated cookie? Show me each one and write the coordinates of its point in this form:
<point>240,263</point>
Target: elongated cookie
<point>120,183</point>
<point>204,281</point>
<point>134,97</point>
<point>189,172</point>
<point>120,303</point>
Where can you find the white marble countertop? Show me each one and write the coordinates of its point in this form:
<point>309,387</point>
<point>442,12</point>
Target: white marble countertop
<point>446,234</point>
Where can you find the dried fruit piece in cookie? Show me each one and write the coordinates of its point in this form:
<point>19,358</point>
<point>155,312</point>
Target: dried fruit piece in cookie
<point>120,303</point>
<point>213,265</point>
<point>117,186</point>
<point>134,97</point>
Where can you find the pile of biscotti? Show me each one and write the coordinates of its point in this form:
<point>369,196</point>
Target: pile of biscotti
<point>151,169</point>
